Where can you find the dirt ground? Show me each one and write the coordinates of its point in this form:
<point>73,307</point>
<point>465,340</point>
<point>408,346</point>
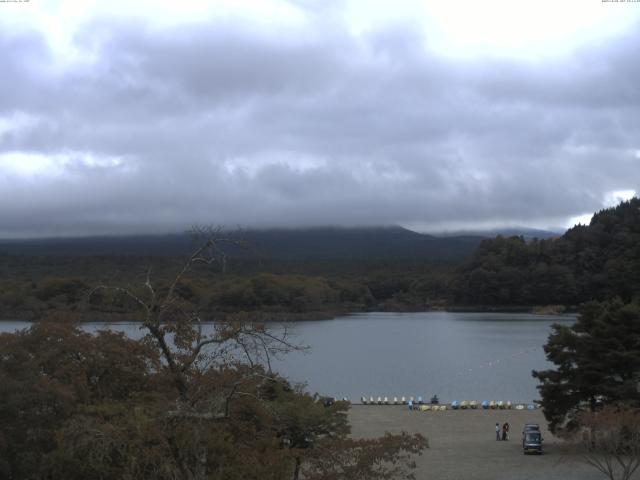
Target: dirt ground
<point>463,445</point>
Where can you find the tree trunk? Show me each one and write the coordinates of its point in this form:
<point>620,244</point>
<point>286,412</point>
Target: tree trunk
<point>296,471</point>
<point>201,467</point>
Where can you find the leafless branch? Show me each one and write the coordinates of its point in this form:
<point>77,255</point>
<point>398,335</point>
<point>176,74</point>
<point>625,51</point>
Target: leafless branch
<point>610,441</point>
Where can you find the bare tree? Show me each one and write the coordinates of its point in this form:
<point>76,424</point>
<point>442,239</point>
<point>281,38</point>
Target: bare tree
<point>190,351</point>
<point>218,393</point>
<point>609,441</point>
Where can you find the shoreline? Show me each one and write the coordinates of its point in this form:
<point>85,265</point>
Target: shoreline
<point>289,316</point>
<point>101,317</point>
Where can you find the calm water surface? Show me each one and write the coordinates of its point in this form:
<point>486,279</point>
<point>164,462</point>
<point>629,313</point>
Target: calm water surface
<point>455,355</point>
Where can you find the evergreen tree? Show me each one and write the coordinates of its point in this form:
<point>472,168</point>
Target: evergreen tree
<point>597,362</point>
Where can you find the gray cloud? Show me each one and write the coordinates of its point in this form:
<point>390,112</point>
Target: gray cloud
<point>219,123</point>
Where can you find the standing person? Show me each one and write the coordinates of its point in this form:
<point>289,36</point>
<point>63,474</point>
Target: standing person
<point>504,431</point>
<point>497,431</point>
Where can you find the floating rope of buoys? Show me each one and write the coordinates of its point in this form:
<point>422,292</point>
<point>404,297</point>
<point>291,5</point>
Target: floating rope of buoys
<point>489,364</point>
<point>495,362</point>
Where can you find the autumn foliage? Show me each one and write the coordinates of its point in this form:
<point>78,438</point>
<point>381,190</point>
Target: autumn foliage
<point>183,402</point>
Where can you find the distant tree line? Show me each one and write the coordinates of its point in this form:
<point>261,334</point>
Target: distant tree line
<point>35,295</point>
<point>593,262</point>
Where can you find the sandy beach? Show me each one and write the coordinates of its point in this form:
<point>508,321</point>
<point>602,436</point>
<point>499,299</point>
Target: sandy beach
<point>463,446</point>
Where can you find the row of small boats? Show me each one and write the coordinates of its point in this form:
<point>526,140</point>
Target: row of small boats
<point>434,404</point>
<point>435,408</point>
<point>491,404</point>
<point>396,400</point>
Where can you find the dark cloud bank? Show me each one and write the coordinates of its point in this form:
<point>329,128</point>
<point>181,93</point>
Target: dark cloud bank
<point>220,123</point>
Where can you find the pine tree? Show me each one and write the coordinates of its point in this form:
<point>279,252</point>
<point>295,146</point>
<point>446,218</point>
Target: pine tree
<point>597,362</point>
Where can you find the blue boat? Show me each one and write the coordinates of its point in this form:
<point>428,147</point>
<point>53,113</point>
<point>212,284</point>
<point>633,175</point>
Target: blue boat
<point>455,404</point>
<point>485,404</point>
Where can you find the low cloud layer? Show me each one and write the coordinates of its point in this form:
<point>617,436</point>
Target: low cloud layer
<point>152,130</point>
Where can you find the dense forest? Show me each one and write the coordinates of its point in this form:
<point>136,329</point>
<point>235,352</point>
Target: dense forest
<point>290,294</point>
<point>393,269</point>
<point>299,274</point>
<point>589,262</point>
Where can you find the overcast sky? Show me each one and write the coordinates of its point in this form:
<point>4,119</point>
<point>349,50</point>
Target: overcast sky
<point>123,117</point>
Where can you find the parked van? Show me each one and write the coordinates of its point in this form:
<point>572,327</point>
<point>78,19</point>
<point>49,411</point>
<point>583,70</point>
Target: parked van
<point>531,438</point>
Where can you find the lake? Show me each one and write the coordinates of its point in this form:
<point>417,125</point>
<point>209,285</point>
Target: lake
<point>457,356</point>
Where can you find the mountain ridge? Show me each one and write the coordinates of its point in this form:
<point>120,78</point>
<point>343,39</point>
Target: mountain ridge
<point>276,243</point>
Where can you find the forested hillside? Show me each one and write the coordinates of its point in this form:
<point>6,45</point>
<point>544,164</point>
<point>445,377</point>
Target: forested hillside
<point>589,262</point>
<point>326,244</point>
<point>313,273</point>
<point>324,272</point>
